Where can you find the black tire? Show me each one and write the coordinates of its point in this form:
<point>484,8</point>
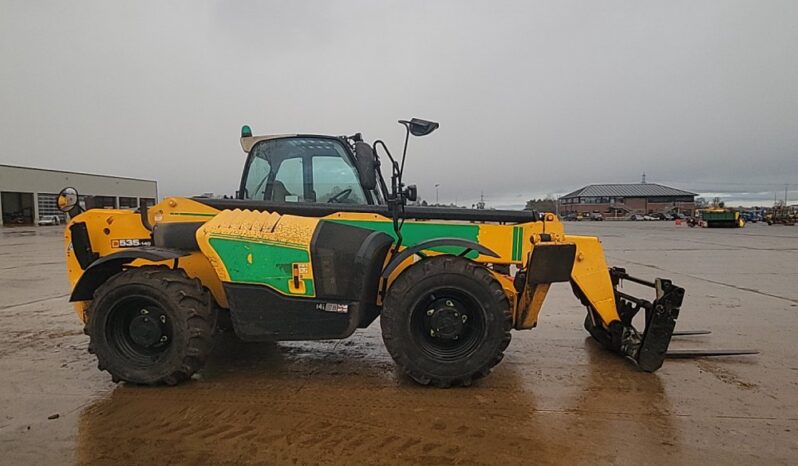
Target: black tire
<point>446,288</point>
<point>151,325</point>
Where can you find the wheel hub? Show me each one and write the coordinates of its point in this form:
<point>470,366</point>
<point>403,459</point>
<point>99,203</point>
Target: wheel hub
<point>446,320</point>
<point>146,330</point>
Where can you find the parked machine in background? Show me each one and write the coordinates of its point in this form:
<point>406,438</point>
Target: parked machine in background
<point>781,215</point>
<point>721,217</point>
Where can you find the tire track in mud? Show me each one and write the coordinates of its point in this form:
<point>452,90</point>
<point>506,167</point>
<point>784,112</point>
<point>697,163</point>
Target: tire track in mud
<point>34,301</point>
<point>293,431</point>
<point>29,266</point>
<point>342,424</point>
<point>17,341</point>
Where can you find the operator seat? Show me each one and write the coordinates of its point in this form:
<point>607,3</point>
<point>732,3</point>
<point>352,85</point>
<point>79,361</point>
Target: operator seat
<point>279,191</point>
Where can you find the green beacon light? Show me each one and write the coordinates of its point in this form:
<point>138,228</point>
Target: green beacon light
<point>246,131</point>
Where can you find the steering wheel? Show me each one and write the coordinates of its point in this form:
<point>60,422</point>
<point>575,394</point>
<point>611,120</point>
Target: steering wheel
<point>338,197</point>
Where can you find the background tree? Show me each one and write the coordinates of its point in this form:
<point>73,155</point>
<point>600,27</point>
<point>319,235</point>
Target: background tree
<point>541,205</point>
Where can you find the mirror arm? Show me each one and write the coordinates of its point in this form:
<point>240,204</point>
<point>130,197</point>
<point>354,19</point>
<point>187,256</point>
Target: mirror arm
<point>380,178</point>
<point>396,199</point>
<point>396,174</point>
<point>385,148</point>
<point>404,152</point>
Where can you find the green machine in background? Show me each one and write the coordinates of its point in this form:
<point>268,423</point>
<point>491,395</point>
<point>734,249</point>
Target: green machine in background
<point>721,218</point>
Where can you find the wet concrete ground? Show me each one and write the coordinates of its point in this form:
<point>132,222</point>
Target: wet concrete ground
<point>556,397</point>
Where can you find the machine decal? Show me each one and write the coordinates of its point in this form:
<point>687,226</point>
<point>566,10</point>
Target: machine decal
<point>130,243</point>
<point>517,243</point>
<point>332,307</point>
<point>250,261</point>
<point>263,248</point>
<point>414,233</point>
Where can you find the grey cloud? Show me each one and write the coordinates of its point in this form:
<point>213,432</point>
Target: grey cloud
<point>533,97</point>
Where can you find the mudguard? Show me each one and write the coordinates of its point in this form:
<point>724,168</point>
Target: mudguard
<point>467,246</point>
<point>105,267</point>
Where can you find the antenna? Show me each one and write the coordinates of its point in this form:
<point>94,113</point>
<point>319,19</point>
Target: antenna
<point>644,178</point>
<point>481,203</point>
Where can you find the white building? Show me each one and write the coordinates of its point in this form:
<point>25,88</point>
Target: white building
<point>27,194</point>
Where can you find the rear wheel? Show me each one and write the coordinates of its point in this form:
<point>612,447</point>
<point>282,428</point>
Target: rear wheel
<point>151,325</point>
<point>446,321</point>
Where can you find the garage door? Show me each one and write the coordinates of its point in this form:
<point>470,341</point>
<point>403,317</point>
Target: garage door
<point>48,206</point>
<point>17,208</point>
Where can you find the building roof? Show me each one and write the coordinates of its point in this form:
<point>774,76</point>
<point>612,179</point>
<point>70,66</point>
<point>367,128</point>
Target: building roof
<point>627,190</point>
<point>74,173</point>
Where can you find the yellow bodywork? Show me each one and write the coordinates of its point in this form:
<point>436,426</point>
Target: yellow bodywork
<point>255,227</point>
<point>108,228</point>
<point>112,230</point>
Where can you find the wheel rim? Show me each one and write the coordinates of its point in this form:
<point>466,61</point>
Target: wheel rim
<point>448,324</point>
<point>139,329</point>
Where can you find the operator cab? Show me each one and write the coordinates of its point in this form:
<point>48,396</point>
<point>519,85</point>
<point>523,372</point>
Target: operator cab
<point>305,169</point>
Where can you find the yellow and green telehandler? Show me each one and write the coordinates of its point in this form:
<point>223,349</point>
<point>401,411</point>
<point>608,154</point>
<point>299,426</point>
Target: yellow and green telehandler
<point>317,244</point>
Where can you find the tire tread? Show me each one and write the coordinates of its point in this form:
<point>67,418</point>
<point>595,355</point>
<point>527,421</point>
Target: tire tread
<point>188,296</point>
<point>403,284</point>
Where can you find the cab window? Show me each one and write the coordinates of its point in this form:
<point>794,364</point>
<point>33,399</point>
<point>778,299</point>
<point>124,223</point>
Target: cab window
<point>337,181</point>
<point>288,185</point>
<point>302,170</point>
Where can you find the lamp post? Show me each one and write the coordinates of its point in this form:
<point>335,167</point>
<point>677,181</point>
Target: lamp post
<point>436,193</point>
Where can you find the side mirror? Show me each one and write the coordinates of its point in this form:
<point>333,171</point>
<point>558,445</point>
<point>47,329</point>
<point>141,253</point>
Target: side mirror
<point>67,199</point>
<point>411,193</point>
<point>366,162</point>
<point>419,127</point>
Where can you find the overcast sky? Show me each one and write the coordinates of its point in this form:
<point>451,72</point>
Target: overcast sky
<point>532,97</point>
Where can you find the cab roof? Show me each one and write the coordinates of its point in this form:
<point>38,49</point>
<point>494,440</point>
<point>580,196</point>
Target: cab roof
<point>248,142</point>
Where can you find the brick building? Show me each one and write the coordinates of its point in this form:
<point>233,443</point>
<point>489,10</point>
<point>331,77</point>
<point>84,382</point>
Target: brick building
<point>620,200</point>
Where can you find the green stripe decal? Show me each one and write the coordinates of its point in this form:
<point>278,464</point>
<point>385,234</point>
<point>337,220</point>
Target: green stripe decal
<point>515,243</point>
<point>414,233</point>
<point>518,237</point>
<point>263,263</point>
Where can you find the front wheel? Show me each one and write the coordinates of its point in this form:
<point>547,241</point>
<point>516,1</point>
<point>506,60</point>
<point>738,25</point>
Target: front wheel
<point>151,325</point>
<point>446,321</point>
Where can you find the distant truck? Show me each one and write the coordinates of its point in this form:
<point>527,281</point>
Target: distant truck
<point>720,217</point>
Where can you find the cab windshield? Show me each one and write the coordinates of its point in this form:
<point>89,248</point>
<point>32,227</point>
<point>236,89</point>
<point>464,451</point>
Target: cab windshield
<point>302,169</point>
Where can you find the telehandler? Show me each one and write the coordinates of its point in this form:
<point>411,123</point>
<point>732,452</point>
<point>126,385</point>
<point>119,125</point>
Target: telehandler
<point>315,245</point>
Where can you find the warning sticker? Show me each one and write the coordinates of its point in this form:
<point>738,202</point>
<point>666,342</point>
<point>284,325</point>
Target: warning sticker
<point>332,307</point>
<point>303,268</point>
